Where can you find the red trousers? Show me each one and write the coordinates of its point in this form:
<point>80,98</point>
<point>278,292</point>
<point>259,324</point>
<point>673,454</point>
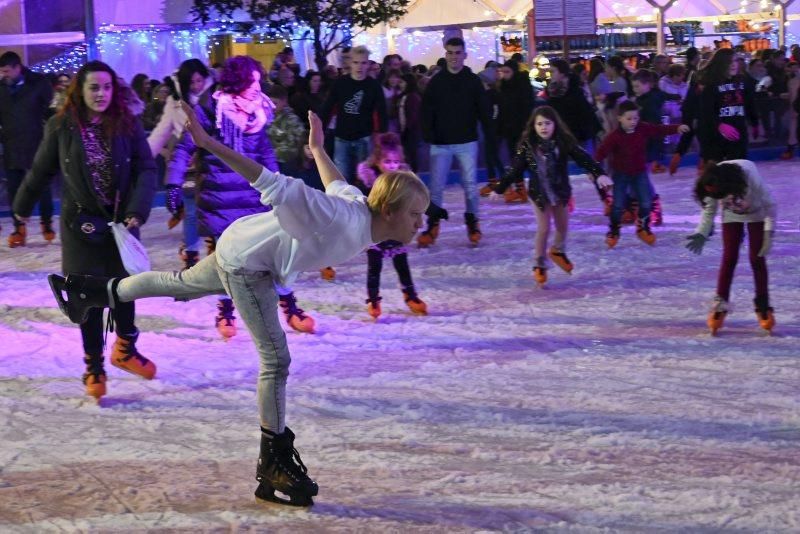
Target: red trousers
<point>732,237</point>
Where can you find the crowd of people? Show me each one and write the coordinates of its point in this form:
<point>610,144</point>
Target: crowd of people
<point>274,172</point>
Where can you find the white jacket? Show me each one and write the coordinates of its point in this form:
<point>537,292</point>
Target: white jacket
<point>173,120</point>
<point>306,230</point>
<point>756,205</point>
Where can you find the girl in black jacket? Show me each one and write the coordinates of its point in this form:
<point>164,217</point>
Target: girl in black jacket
<point>109,175</point>
<point>546,144</point>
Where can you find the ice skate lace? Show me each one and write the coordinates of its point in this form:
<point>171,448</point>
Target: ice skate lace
<point>225,313</point>
<point>411,295</point>
<point>94,367</point>
<point>291,464</point>
<point>289,303</point>
<point>297,463</point>
<point>129,350</point>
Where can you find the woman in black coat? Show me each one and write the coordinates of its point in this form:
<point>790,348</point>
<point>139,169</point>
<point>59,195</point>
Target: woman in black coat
<point>565,95</point>
<point>516,103</point>
<point>109,174</point>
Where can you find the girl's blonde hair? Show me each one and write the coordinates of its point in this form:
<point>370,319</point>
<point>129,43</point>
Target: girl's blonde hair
<point>395,190</point>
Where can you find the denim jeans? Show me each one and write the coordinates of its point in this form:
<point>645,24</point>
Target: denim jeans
<point>255,297</point>
<point>639,185</point>
<point>14,178</point>
<point>348,154</point>
<point>191,235</point>
<point>442,158</point>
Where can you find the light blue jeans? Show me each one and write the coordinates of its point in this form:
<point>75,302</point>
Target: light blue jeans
<point>191,236</point>
<point>441,160</point>
<point>639,184</point>
<point>348,154</point>
<point>255,297</point>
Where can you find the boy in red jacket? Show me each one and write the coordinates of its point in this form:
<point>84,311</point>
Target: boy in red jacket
<point>627,146</point>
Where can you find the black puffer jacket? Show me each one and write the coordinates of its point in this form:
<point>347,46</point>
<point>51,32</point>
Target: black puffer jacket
<point>525,159</point>
<point>516,103</point>
<point>134,177</point>
<point>573,108</point>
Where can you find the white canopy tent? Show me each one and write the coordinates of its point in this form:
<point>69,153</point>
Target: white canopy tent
<point>471,15</point>
<point>418,35</point>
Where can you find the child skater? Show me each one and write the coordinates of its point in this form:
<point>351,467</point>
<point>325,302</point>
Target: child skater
<point>746,200</point>
<point>627,147</point>
<point>306,230</point>
<point>544,149</point>
<point>386,157</point>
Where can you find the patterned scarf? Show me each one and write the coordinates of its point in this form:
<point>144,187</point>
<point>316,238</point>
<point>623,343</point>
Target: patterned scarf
<point>98,159</point>
<point>238,116</point>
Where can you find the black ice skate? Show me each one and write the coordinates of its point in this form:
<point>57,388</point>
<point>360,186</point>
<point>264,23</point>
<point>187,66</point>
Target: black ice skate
<point>83,292</point>
<point>280,469</point>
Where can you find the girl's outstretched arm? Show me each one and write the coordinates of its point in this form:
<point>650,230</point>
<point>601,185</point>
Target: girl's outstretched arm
<point>242,165</point>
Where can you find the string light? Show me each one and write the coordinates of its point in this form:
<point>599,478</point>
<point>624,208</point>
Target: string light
<point>426,47</point>
<point>67,62</point>
<point>115,43</point>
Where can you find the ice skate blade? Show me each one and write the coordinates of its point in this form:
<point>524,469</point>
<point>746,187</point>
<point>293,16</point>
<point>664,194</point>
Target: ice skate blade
<point>131,371</point>
<point>58,284</point>
<point>266,493</point>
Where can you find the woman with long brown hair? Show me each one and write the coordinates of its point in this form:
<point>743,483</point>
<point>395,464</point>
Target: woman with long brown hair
<point>109,175</point>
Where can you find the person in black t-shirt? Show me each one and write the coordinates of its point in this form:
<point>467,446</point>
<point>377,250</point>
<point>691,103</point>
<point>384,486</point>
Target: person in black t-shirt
<point>360,109</point>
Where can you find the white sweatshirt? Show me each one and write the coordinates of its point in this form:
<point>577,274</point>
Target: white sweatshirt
<point>306,230</point>
<point>756,205</point>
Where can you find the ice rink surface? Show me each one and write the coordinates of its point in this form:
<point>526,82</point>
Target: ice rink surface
<point>596,404</point>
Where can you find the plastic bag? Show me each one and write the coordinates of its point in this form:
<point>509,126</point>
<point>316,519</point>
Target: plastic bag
<point>133,254</point>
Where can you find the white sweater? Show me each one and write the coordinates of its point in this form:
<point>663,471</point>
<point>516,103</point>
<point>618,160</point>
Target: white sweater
<point>756,205</point>
<point>306,230</point>
<point>173,120</point>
